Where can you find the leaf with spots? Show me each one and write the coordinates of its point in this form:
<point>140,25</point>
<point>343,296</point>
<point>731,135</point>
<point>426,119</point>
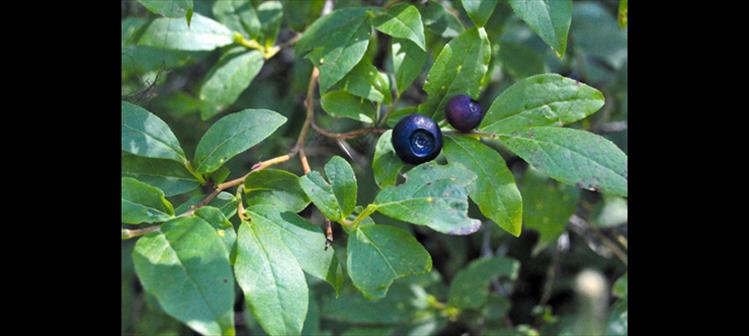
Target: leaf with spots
<point>572,156</point>
<point>433,195</point>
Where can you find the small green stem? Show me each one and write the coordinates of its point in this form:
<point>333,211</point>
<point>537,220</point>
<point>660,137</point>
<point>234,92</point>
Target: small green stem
<point>192,171</point>
<point>364,214</point>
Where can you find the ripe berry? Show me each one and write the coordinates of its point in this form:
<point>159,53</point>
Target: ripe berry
<point>417,139</point>
<point>464,113</point>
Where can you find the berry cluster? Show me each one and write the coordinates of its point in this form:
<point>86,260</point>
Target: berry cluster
<point>417,138</point>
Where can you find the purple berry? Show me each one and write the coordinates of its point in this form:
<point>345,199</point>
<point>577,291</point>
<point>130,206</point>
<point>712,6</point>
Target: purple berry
<point>464,113</point>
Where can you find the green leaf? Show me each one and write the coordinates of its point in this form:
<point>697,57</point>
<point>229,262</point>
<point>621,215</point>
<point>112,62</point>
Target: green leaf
<point>366,81</point>
<point>169,176</point>
<point>617,323</point>
<point>222,225</point>
<point>305,241</point>
<point>170,8</point>
<point>270,14</point>
<point>520,61</point>
<point>299,14</point>
<point>142,203</point>
<point>572,156</point>
<point>458,69</point>
<point>275,187</point>
<point>433,195</point>
<point>321,194</point>
<point>541,100</point>
<point>402,21</point>
<point>479,10</point>
<point>228,78</point>
<point>621,17</point>
<point>353,308</point>
<point>494,189</point>
<point>620,287</point>
<point>224,201</point>
<point>611,212</point>
<point>341,104</point>
<point>238,15</point>
<point>550,19</point>
<point>271,279</point>
<point>234,134</point>
<point>186,267</point>
<point>408,61</point>
<point>547,217</point>
<point>343,182</point>
<point>385,164</point>
<point>439,20</point>
<point>202,34</point>
<point>337,43</point>
<point>397,115</point>
<point>145,134</point>
<point>380,254</point>
<point>470,287</point>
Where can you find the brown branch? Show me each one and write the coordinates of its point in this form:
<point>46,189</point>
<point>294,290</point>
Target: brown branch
<point>348,135</point>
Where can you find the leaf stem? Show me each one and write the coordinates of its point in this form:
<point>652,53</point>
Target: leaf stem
<point>371,208</point>
<point>192,171</point>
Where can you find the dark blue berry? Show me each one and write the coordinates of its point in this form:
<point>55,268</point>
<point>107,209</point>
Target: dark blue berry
<point>464,113</point>
<point>417,139</point>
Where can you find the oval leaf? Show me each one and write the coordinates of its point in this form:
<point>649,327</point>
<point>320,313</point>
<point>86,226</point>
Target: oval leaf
<point>173,33</point>
<point>343,182</point>
<point>479,10</point>
<point>470,287</point>
<point>548,218</point>
<point>145,134</point>
<point>380,254</point>
<point>272,281</point>
<point>321,194</point>
<point>386,165</point>
<point>408,61</point>
<point>541,100</point>
<point>550,19</point>
<point>337,42</point>
<point>458,69</point>
<point>494,189</point>
<point>304,240</point>
<point>402,21</point>
<point>186,267</point>
<point>142,203</point>
<point>341,104</point>
<point>230,76</point>
<point>433,195</point>
<point>167,175</point>
<point>169,8</point>
<point>275,187</point>
<point>234,134</point>
<point>572,156</point>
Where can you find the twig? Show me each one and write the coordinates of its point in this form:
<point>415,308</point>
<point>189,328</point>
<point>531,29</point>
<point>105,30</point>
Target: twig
<point>127,233</point>
<point>348,135</point>
<point>328,234</point>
